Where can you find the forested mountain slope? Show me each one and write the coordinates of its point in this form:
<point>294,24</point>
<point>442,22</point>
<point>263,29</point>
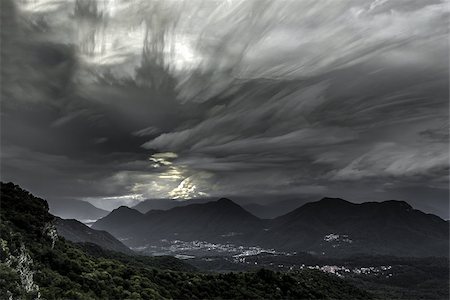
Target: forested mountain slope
<point>35,262</point>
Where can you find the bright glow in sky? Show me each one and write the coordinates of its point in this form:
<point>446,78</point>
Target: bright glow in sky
<point>330,97</point>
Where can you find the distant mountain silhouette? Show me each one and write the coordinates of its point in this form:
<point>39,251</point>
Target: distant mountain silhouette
<point>165,204</point>
<point>75,209</point>
<point>155,204</point>
<point>274,209</point>
<point>214,221</point>
<point>37,264</point>
<point>77,232</point>
<point>336,226</point>
<point>331,226</point>
<point>118,220</point>
<point>269,210</point>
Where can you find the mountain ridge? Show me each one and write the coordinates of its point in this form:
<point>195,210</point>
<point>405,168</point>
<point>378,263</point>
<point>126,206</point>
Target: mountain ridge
<point>388,227</point>
<point>119,219</point>
<point>369,227</point>
<point>82,211</point>
<point>193,221</point>
<point>38,264</point>
<point>75,231</point>
<point>165,204</point>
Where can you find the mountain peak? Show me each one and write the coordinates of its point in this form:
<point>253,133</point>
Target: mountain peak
<point>227,205</point>
<point>125,209</point>
<point>117,219</point>
<point>124,212</point>
<point>397,203</point>
<point>122,207</point>
<point>225,201</point>
<point>330,199</point>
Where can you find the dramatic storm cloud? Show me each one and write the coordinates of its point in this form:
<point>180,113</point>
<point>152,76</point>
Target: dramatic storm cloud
<point>123,100</point>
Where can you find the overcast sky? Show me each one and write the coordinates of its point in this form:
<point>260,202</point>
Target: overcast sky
<point>115,101</point>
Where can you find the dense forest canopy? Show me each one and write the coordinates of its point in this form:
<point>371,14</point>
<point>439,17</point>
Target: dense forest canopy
<point>34,262</point>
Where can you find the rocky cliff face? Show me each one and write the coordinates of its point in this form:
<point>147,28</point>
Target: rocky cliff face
<point>25,223</point>
<point>22,264</point>
<point>51,232</point>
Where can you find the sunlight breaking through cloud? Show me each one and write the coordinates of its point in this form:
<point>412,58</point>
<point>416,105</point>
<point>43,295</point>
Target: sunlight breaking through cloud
<point>254,97</point>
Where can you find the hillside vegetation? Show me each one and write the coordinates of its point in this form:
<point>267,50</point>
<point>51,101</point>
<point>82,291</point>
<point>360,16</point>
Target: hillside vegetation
<point>35,262</point>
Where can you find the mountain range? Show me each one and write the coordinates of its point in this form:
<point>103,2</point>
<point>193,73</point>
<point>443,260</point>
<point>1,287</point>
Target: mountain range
<point>331,226</point>
<point>36,263</point>
<point>165,204</point>
<point>275,209</point>
<point>76,209</point>
<point>258,206</point>
<point>213,221</point>
<point>77,232</point>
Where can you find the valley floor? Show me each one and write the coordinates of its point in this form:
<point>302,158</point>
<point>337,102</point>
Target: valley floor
<point>386,277</point>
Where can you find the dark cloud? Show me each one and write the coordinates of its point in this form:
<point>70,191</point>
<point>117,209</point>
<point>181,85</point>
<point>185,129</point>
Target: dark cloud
<point>114,102</point>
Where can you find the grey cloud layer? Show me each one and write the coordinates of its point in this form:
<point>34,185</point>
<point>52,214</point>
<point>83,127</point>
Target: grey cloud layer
<point>254,97</point>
